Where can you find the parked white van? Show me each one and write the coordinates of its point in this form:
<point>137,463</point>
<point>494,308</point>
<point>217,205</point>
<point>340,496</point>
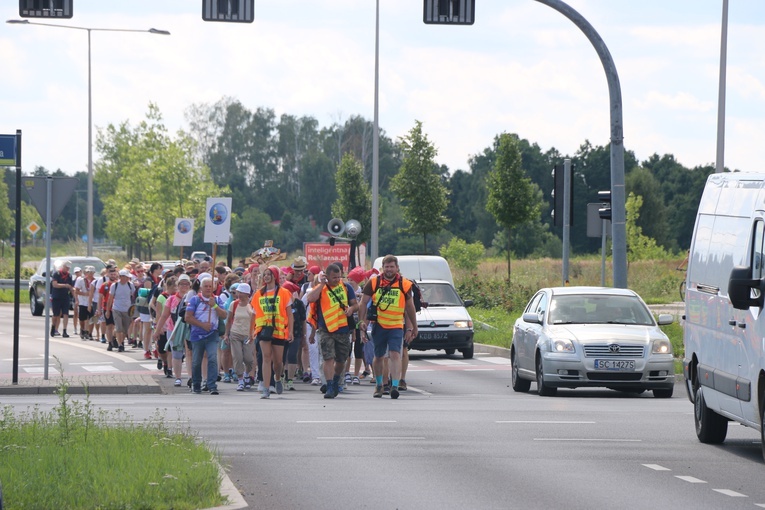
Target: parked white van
<point>724,333</point>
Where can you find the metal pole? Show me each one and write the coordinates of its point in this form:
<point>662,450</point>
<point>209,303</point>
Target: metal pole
<point>720,161</point>
<point>376,143</point>
<point>566,216</point>
<point>90,157</point>
<point>17,273</point>
<point>603,236</point>
<point>48,268</point>
<point>77,214</point>
<point>618,199</point>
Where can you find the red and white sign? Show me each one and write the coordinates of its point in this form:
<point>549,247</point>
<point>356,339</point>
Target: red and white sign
<point>322,254</point>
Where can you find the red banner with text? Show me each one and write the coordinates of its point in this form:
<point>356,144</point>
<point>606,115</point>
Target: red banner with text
<point>322,254</point>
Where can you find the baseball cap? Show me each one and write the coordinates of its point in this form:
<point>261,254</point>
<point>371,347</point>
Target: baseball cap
<point>89,269</point>
<point>357,274</point>
<point>77,269</point>
<point>314,270</point>
<point>124,272</point>
<point>184,278</point>
<point>244,288</point>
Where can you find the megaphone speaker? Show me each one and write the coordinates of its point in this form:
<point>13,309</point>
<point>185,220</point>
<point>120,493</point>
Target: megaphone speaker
<point>353,228</point>
<point>336,227</point>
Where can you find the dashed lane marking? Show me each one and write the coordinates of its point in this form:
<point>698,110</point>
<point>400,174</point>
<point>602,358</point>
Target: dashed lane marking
<point>656,467</point>
<point>731,493</point>
<point>101,368</point>
<point>496,360</point>
<point>690,479</point>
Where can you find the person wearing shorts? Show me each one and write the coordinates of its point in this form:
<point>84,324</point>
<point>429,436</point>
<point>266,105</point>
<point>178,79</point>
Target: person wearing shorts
<point>272,307</point>
<point>333,302</point>
<point>118,306</point>
<point>392,299</point>
<point>82,290</point>
<point>62,285</point>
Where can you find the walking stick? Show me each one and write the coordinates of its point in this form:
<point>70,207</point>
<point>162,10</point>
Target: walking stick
<point>215,249</point>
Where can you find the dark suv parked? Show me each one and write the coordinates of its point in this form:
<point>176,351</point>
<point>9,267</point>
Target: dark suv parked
<point>37,281</point>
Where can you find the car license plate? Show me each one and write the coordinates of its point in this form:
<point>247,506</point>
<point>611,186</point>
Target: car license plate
<point>433,336</point>
<point>614,364</point>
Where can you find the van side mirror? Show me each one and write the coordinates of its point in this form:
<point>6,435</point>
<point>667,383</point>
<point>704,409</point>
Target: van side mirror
<point>740,286</point>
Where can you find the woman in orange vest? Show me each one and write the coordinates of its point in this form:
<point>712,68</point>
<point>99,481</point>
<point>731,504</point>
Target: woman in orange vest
<point>272,326</point>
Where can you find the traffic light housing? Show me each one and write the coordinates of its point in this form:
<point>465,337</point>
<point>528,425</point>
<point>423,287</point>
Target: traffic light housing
<point>605,205</point>
<point>230,11</point>
<point>558,191</point>
<point>448,12</point>
<point>57,9</point>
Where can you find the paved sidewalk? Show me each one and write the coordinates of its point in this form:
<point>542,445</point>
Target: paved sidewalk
<point>103,384</point>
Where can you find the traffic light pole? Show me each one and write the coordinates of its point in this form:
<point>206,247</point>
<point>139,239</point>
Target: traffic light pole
<point>618,221</point>
<point>566,216</point>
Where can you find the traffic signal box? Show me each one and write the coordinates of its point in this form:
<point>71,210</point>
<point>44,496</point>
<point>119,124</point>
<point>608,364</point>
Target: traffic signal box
<point>57,9</point>
<point>558,183</point>
<point>449,12</point>
<point>605,207</point>
<point>229,11</point>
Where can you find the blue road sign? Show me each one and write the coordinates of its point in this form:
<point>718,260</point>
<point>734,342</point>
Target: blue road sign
<point>7,150</point>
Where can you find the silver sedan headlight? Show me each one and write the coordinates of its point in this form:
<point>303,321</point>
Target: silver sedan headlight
<point>562,345</point>
<point>661,346</point>
<point>463,324</point>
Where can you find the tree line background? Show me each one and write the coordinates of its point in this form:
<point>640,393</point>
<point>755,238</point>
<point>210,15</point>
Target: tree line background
<point>289,175</point>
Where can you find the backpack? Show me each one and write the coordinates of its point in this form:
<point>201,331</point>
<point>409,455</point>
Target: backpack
<point>298,310</point>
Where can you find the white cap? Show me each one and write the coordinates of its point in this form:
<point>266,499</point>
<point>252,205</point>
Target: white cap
<point>124,272</point>
<point>77,269</point>
<point>244,288</point>
<point>203,276</point>
<point>184,278</point>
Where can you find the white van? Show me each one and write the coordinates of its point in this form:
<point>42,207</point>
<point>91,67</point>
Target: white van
<point>444,323</point>
<point>724,332</point>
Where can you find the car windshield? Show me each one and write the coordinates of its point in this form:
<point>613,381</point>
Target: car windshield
<point>439,294</point>
<point>599,309</point>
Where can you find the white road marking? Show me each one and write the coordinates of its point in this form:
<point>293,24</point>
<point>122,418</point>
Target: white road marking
<point>101,368</point>
<point>656,467</point>
<point>447,362</point>
<point>690,479</point>
<point>40,370</point>
<point>92,363</point>
<point>497,360</point>
<point>552,422</point>
<point>375,438</point>
<point>25,359</point>
<point>584,439</point>
<point>731,493</point>
<point>421,392</point>
<point>150,366</point>
<point>346,421</point>
<point>479,370</point>
<point>761,505</point>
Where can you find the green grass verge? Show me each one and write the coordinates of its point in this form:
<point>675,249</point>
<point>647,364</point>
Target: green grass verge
<point>495,327</point>
<point>75,457</point>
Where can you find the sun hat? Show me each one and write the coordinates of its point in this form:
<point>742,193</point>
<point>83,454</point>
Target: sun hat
<point>299,263</point>
<point>244,288</point>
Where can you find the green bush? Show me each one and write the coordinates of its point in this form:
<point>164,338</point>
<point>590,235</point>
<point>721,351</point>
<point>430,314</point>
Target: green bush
<point>463,255</point>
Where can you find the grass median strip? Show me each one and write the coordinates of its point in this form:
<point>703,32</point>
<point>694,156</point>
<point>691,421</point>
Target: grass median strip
<point>78,457</point>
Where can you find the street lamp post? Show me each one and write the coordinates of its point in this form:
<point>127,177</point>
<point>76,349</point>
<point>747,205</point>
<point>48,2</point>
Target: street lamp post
<point>90,105</point>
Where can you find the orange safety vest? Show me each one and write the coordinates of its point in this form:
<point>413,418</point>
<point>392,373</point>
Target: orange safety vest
<point>391,305</point>
<point>331,309</point>
<point>271,310</point>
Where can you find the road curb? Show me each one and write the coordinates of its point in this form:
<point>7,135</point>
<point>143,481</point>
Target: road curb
<point>491,349</point>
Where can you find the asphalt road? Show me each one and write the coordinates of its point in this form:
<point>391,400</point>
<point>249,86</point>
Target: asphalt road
<point>459,438</point>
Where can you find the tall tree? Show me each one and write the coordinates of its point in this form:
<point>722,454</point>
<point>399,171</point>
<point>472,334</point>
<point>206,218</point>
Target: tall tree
<point>419,186</point>
<point>152,178</point>
<point>354,198</point>
<point>513,199</point>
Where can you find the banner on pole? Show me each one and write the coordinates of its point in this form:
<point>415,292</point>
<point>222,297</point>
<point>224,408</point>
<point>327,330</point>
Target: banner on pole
<point>218,220</point>
<point>184,232</point>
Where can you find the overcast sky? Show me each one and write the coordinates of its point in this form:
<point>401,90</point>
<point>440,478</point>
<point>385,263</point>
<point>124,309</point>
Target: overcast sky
<point>522,68</point>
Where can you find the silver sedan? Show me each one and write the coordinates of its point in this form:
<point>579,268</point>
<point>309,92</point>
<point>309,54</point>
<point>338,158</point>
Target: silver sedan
<point>569,337</point>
